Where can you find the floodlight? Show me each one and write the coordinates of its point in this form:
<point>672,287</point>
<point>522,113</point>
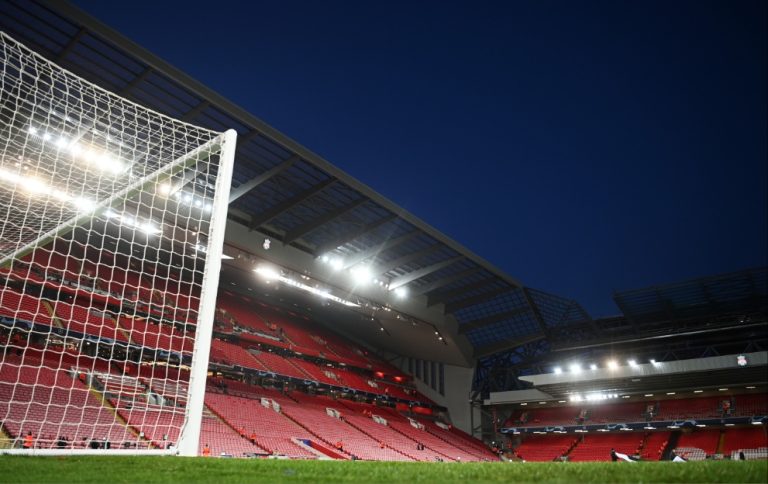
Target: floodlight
<point>593,366</point>
<point>164,188</point>
<point>268,273</point>
<point>612,365</point>
<point>361,274</point>
<point>558,370</point>
<point>575,368</point>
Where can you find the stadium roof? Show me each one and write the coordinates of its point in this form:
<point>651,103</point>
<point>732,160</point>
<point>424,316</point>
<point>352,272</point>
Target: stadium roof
<point>739,292</point>
<point>283,191</point>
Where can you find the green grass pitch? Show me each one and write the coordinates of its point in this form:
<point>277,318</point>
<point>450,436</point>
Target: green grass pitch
<point>171,470</point>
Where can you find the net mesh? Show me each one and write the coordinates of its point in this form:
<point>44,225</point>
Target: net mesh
<point>106,211</point>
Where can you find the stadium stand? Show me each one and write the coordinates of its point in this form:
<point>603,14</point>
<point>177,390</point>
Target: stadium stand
<point>52,404</point>
<point>698,444</point>
<point>750,440</point>
<point>545,448</point>
<point>597,447</point>
<point>654,445</point>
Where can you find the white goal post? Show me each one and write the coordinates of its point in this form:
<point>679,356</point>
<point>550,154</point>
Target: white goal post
<point>112,221</point>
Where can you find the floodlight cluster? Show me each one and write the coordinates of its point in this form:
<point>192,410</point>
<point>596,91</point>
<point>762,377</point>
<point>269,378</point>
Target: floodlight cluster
<point>362,275</point>
<point>90,155</point>
<point>593,397</point>
<point>613,365</point>
<point>36,187</point>
<point>144,225</point>
<point>270,274</point>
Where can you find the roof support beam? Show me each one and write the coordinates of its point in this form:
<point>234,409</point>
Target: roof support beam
<point>246,187</point>
<point>444,296</point>
<point>536,312</point>
<point>350,236</point>
<point>406,259</point>
<point>71,44</point>
<point>136,81</point>
<point>508,344</point>
<point>496,318</point>
<point>374,250</point>
<point>302,230</point>
<point>437,284</point>
<point>419,273</point>
<point>264,217</point>
<point>471,301</point>
<point>192,113</point>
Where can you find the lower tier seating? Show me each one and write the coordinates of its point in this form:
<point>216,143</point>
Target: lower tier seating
<point>597,447</point>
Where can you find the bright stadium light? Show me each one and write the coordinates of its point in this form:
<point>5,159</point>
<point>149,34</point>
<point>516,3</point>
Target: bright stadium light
<point>575,368</point>
<point>632,363</point>
<point>268,273</point>
<point>361,275</point>
<point>337,264</point>
<point>593,366</point>
<point>612,365</point>
<point>558,370</point>
<point>401,292</point>
<point>164,189</point>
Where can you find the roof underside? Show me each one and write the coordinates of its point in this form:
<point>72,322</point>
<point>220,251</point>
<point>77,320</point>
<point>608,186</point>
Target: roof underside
<point>282,190</point>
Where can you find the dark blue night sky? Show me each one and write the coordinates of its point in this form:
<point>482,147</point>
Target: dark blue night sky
<point>582,147</point>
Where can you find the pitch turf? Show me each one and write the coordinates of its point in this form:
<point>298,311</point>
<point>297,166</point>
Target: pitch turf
<point>171,470</point>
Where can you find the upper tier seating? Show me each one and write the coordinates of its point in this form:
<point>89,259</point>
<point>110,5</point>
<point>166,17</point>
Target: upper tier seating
<point>619,413</point>
<point>153,335</point>
<point>82,319</point>
<point>280,365</point>
<point>227,353</point>
<point>707,407</point>
<point>550,416</point>
<point>16,305</point>
<point>749,405</point>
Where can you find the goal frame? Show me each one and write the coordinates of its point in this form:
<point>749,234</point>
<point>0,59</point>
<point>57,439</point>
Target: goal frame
<point>222,146</point>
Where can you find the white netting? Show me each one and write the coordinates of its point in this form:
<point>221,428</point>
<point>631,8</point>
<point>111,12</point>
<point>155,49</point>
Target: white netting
<point>106,220</point>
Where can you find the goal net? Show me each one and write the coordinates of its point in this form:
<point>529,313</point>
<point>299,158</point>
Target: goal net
<point>111,229</point>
